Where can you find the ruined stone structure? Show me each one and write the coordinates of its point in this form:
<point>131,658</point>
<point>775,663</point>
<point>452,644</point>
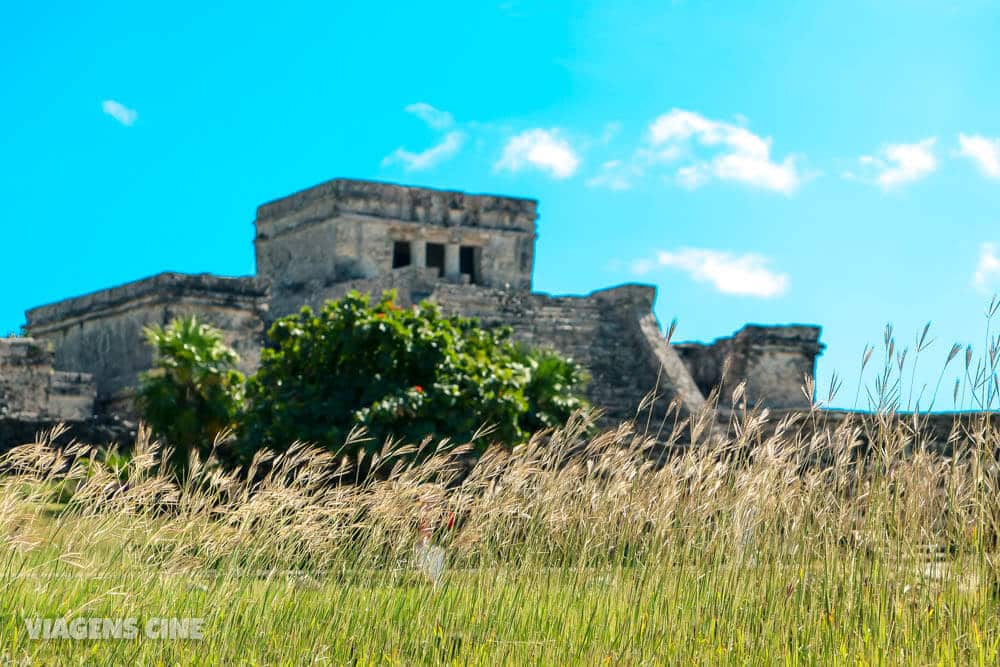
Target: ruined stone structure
<point>471,254</point>
<point>31,391</point>
<point>101,333</point>
<point>775,362</point>
<point>345,230</point>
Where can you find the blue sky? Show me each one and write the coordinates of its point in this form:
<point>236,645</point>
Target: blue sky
<point>834,163</point>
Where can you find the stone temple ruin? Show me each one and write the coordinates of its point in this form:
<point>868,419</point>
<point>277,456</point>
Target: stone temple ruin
<point>471,254</point>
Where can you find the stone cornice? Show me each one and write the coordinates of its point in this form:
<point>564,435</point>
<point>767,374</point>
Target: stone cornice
<point>167,287</point>
<point>405,203</point>
<point>791,336</point>
<point>418,229</point>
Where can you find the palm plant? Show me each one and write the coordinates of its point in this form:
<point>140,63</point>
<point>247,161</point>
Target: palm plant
<point>193,393</point>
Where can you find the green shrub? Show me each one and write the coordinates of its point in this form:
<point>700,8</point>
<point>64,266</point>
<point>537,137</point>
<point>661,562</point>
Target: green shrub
<point>554,391</point>
<point>400,373</point>
<point>193,392</point>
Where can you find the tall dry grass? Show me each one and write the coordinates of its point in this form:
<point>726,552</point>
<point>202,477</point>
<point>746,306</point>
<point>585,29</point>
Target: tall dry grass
<point>737,537</point>
<point>760,541</point>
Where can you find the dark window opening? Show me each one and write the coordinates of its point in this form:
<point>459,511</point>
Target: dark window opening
<point>400,254</point>
<point>468,262</point>
<point>435,256</point>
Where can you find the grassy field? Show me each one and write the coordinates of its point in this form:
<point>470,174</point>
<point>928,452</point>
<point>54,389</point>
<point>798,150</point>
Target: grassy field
<point>755,546</point>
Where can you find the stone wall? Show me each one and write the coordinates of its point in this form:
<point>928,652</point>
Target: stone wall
<point>775,361</point>
<point>411,285</point>
<point>101,333</point>
<point>345,230</point>
<point>612,333</point>
<point>31,390</point>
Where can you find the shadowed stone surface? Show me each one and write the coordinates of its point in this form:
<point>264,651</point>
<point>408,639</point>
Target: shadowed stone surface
<point>775,361</point>
<point>31,390</point>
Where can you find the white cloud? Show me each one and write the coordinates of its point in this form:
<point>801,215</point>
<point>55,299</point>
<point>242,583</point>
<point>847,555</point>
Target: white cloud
<point>757,171</point>
<point>983,151</point>
<point>693,176</point>
<point>661,155</point>
<point>435,118</point>
<point>448,147</point>
<point>643,266</point>
<point>542,149</point>
<point>615,175</point>
<point>897,164</point>
<point>742,275</point>
<point>611,130</point>
<point>738,154</point>
<point>987,275</point>
<point>679,124</point>
<point>120,112</point>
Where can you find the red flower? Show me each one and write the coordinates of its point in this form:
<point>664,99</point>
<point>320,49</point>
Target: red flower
<point>380,315</point>
<point>417,388</point>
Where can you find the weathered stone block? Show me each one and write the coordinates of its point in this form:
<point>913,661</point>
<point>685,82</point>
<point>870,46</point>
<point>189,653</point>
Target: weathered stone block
<point>30,389</point>
<point>102,333</point>
<point>346,230</point>
<point>775,362</point>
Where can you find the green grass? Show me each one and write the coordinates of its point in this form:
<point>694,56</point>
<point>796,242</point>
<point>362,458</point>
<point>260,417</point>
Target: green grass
<point>860,612</point>
<point>804,552</point>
